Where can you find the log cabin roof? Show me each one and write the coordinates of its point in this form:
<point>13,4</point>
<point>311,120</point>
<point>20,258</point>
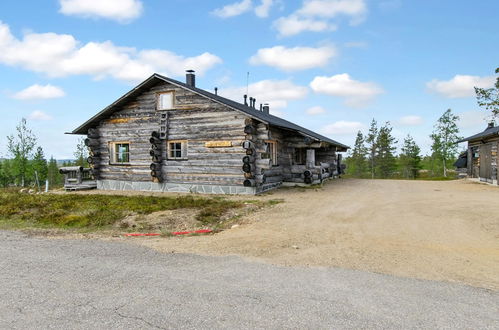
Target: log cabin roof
<point>488,132</point>
<point>250,111</point>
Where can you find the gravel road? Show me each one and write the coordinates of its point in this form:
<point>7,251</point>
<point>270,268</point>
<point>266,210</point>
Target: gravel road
<point>92,284</point>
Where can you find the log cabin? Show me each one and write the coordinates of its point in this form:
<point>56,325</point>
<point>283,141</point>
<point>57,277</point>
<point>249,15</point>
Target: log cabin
<point>480,159</point>
<point>167,135</point>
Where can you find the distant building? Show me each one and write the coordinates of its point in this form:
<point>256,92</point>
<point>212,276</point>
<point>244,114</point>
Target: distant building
<point>165,135</point>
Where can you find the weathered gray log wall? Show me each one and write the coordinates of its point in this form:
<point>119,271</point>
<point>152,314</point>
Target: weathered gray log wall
<point>195,119</point>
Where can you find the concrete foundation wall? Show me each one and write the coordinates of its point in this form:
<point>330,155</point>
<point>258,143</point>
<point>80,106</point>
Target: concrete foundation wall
<point>182,187</point>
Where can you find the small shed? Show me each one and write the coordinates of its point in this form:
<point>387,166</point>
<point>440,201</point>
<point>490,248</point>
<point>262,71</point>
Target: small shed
<point>78,178</point>
<point>481,156</point>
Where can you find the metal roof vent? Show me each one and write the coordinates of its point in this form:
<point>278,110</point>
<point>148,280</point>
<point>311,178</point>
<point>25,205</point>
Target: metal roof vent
<point>491,125</point>
<point>266,108</point>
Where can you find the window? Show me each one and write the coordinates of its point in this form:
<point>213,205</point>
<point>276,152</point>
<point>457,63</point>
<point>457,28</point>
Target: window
<point>165,101</point>
<point>300,156</point>
<point>120,152</point>
<point>177,149</point>
<point>271,152</point>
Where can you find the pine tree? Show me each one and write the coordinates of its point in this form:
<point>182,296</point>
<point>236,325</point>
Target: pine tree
<point>358,160</point>
<point>410,158</point>
<point>444,137</point>
<point>21,148</point>
<point>385,158</point>
<point>53,175</point>
<point>371,140</point>
<point>39,164</point>
<point>81,153</point>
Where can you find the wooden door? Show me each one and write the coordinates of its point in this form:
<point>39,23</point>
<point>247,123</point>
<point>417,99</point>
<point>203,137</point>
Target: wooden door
<point>485,163</point>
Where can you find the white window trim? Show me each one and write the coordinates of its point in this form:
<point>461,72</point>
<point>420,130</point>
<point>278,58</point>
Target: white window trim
<point>184,150</point>
<point>158,100</point>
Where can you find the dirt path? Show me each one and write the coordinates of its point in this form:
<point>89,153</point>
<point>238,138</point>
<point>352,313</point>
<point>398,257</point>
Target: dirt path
<point>431,230</point>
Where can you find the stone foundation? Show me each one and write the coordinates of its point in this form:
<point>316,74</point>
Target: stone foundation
<point>183,187</point>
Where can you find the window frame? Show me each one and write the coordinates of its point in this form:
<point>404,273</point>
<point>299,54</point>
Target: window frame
<point>272,152</point>
<point>300,156</point>
<point>158,100</point>
<point>183,150</point>
<point>113,153</point>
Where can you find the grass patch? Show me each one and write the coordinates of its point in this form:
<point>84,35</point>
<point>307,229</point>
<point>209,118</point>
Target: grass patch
<point>93,212</point>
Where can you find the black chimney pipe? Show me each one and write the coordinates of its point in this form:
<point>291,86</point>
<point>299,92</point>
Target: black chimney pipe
<point>216,90</point>
<point>261,107</point>
<point>491,124</point>
<point>190,78</point>
<point>266,108</point>
<point>251,102</point>
<point>254,102</point>
<point>245,99</point>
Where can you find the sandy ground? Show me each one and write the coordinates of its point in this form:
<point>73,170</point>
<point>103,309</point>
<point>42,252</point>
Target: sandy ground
<point>430,230</point>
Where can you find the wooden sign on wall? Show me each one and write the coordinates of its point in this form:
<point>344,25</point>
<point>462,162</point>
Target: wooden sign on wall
<point>217,144</point>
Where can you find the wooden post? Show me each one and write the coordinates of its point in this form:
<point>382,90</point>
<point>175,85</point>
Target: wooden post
<point>310,158</point>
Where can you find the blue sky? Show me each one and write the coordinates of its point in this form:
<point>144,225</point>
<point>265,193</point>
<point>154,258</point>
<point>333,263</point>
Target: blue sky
<point>328,65</point>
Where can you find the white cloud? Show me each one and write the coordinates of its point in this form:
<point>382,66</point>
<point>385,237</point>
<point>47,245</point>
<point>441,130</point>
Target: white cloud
<point>355,93</point>
<point>315,16</point>
<point>60,55</point>
<point>317,110</point>
<point>356,9</point>
<point>342,127</point>
<point>459,86</point>
<point>410,121</point>
<point>276,93</point>
<point>292,25</point>
<point>38,115</point>
<point>118,10</point>
<point>234,9</point>
<point>293,59</point>
<point>244,6</point>
<point>263,9</point>
<point>36,92</point>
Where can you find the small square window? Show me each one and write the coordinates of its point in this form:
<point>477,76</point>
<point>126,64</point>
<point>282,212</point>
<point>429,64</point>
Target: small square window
<point>165,101</point>
<point>177,150</point>
<point>120,153</point>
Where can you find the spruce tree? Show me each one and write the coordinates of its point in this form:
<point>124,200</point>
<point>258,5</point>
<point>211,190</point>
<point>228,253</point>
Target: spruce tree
<point>410,158</point>
<point>81,153</point>
<point>39,164</point>
<point>385,158</point>
<point>53,175</point>
<point>358,160</point>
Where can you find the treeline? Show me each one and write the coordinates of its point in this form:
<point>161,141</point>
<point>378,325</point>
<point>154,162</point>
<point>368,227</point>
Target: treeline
<point>374,154</point>
<point>26,164</point>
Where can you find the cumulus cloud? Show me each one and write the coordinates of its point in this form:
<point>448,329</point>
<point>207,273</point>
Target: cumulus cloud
<point>119,10</point>
<point>60,55</point>
<point>342,127</point>
<point>37,92</point>
<point>410,121</point>
<point>233,9</point>
<point>293,59</point>
<point>317,110</point>
<point>459,86</point>
<point>292,25</point>
<point>356,9</point>
<point>38,115</point>
<point>356,93</point>
<point>315,16</point>
<point>264,8</point>
<point>277,93</point>
<point>244,6</point>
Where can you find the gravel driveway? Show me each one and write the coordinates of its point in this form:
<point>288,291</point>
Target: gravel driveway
<point>91,284</point>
